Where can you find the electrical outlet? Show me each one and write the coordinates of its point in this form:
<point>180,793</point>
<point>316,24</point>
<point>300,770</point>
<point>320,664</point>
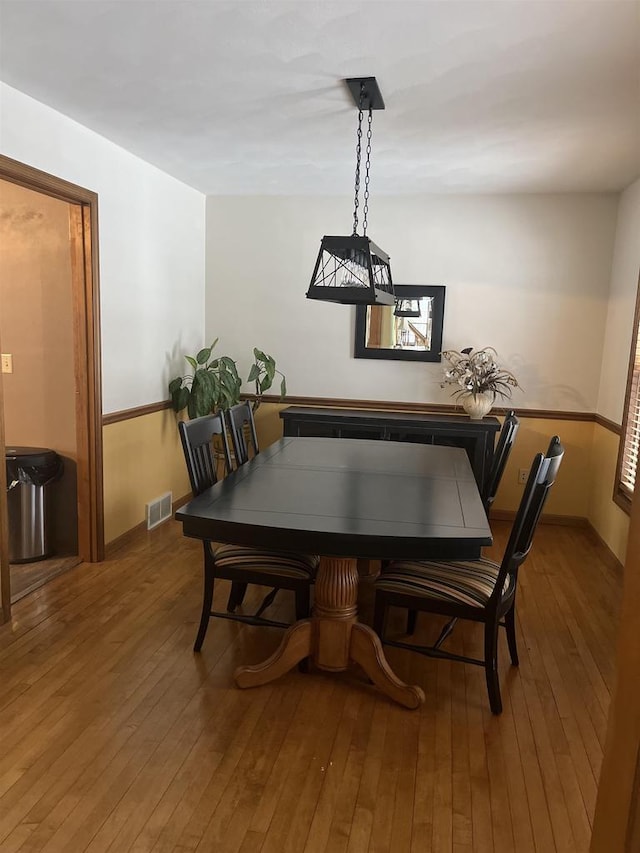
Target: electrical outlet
<point>7,362</point>
<point>523,474</point>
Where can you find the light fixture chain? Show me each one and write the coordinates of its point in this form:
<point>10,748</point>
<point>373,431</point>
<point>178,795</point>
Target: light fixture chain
<point>365,209</point>
<point>356,200</point>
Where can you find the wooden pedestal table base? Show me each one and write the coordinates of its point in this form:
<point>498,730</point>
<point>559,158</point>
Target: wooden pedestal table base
<point>333,638</point>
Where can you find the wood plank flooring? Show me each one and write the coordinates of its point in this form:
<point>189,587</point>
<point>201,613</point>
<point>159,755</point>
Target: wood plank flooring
<point>115,736</point>
<point>26,577</point>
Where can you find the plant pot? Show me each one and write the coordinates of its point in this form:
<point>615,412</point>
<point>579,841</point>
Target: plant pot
<point>477,405</point>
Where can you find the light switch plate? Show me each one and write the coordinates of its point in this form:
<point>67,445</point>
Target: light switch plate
<point>7,362</point>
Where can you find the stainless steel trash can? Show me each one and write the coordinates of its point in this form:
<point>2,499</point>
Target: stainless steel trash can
<point>30,471</point>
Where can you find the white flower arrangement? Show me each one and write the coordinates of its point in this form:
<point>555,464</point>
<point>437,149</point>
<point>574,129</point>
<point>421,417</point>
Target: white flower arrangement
<point>477,373</point>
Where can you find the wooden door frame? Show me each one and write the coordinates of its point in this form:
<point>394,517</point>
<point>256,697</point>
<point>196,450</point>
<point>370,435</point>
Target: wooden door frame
<point>5,579</point>
<point>86,322</point>
<point>616,824</point>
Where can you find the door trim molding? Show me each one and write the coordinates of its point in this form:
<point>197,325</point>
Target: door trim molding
<point>86,297</point>
<point>5,579</point>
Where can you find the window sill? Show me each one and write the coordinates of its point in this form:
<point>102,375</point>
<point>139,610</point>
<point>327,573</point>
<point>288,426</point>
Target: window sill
<point>622,500</point>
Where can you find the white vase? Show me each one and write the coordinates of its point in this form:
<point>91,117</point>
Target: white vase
<point>477,405</point>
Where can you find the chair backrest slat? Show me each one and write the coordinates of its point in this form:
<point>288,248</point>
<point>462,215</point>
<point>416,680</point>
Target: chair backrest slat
<point>197,443</point>
<point>503,449</point>
<point>542,476</point>
<point>239,417</point>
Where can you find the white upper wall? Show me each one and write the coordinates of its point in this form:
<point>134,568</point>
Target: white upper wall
<point>622,300</point>
<point>152,259</point>
<point>526,274</point>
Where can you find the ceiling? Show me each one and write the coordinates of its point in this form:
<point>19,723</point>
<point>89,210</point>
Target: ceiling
<point>247,97</point>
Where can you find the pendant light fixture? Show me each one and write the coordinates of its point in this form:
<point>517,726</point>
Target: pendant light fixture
<point>407,308</point>
<point>353,270</point>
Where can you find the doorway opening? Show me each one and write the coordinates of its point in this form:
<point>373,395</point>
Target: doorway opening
<point>54,392</point>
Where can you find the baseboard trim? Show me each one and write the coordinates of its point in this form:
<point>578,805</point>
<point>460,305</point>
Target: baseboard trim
<point>131,535</point>
<point>181,501</point>
<point>126,538</point>
<point>546,518</point>
<point>608,556</point>
<point>569,521</point>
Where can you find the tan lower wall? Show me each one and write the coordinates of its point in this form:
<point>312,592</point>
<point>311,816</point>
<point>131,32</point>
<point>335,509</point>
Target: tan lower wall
<point>611,523</point>
<point>268,422</point>
<point>570,494</point>
<point>142,460</point>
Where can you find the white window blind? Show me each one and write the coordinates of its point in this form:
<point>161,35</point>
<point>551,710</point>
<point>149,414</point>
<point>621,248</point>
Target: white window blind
<point>632,437</point>
<point>631,425</point>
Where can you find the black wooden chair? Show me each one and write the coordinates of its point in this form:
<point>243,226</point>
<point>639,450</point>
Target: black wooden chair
<point>508,434</point>
<point>237,563</point>
<point>244,440</point>
<point>479,590</point>
<point>241,428</point>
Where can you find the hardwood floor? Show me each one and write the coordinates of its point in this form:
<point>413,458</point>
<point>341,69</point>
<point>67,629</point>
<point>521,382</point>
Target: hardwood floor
<point>25,577</point>
<point>115,736</point>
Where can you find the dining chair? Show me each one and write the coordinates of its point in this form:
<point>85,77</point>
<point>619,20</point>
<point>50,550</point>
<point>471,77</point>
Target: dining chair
<point>239,564</point>
<point>241,426</point>
<point>508,433</point>
<point>478,590</point>
<point>492,481</point>
<point>244,441</point>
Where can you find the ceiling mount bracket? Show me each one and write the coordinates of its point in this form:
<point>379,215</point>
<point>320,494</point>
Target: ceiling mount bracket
<point>371,95</point>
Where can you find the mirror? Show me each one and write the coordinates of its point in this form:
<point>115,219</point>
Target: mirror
<point>410,330</point>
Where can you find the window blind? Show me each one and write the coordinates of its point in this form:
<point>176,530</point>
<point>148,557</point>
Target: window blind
<point>630,443</point>
<point>632,436</point>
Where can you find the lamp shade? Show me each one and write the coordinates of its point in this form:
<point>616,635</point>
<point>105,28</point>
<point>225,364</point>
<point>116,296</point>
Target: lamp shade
<point>353,271</point>
<point>407,308</point>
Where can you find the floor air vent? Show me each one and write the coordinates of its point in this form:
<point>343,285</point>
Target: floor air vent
<point>159,510</point>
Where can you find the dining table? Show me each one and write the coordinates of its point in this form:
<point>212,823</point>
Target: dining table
<point>344,499</point>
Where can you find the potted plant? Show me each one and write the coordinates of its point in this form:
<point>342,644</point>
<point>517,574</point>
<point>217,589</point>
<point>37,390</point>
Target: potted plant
<point>479,379</point>
<point>263,373</point>
<point>214,383</point>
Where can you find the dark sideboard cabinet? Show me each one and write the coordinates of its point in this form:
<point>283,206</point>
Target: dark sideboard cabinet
<point>476,437</point>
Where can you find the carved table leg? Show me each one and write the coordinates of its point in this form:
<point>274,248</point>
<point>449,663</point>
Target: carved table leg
<point>295,646</point>
<point>366,650</point>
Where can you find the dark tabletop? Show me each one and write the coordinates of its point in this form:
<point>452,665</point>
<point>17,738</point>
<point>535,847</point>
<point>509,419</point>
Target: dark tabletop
<point>353,497</point>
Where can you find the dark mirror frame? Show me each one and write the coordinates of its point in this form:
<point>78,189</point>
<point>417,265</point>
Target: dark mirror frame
<point>404,291</point>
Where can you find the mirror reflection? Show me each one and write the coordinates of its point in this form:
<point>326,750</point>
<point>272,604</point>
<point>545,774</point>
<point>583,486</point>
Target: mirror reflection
<point>411,329</point>
<point>407,326</point>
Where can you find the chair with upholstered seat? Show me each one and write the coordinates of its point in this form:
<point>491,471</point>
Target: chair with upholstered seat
<point>490,488</point>
<point>478,590</point>
<point>508,434</point>
<point>242,429</point>
<point>239,564</point>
